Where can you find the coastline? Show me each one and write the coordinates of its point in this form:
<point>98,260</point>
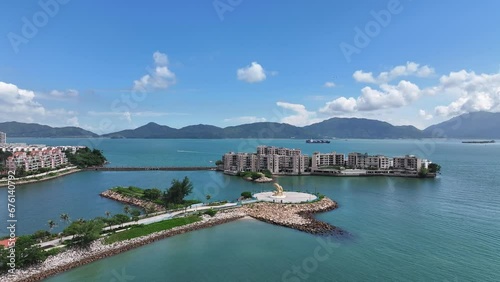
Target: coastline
<point>20,181</point>
<point>130,201</point>
<point>296,216</point>
<point>77,257</point>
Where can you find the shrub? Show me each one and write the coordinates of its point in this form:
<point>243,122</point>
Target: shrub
<point>246,195</point>
<point>210,212</point>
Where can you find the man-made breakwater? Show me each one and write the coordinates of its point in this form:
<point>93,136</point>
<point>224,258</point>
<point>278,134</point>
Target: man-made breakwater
<point>78,257</point>
<point>141,168</point>
<point>131,201</point>
<point>296,216</point>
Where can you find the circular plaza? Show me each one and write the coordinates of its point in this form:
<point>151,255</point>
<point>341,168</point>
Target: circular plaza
<point>287,197</point>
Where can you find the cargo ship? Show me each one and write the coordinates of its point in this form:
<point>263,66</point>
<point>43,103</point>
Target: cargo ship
<point>317,141</point>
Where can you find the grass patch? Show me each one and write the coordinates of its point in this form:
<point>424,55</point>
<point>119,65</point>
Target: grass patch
<point>131,191</point>
<point>142,230</point>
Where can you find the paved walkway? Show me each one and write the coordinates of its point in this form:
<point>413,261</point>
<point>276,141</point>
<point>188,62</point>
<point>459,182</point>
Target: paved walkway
<point>147,220</point>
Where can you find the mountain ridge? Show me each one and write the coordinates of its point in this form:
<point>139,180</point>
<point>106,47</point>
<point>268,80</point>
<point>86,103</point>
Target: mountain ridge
<point>471,125</point>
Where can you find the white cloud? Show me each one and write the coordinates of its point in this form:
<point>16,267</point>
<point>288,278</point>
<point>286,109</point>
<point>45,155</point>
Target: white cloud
<point>423,114</point>
<point>252,73</point>
<point>245,119</point>
<point>329,84</point>
<point>69,93</point>
<point>389,96</point>
<point>361,76</point>
<point>160,59</point>
<point>300,117</point>
<point>19,104</point>
<point>73,121</point>
<point>161,77</point>
<point>410,69</point>
<point>476,92</point>
<point>135,114</point>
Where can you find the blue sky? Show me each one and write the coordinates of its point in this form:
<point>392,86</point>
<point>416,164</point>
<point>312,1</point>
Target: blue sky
<point>106,66</point>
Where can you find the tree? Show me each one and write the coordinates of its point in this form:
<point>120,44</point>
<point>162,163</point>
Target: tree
<point>152,194</point>
<point>434,168</point>
<point>246,195</point>
<point>40,235</point>
<point>27,253</point>
<point>20,171</point>
<point>208,197</point>
<point>126,209</point>
<point>65,217</point>
<point>107,214</point>
<point>135,214</point>
<point>219,162</point>
<point>176,193</point>
<point>120,218</point>
<point>84,233</point>
<point>423,172</point>
<point>51,224</point>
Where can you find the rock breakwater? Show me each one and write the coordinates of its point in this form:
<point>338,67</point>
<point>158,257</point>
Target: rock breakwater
<point>131,201</point>
<point>77,257</point>
<point>296,216</point>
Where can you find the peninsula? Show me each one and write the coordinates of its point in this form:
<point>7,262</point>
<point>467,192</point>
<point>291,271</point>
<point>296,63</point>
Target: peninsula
<point>294,210</point>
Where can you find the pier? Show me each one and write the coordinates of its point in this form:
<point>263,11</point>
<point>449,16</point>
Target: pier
<point>146,168</point>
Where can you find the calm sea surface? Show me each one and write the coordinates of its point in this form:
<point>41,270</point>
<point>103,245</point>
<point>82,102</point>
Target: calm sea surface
<point>444,229</point>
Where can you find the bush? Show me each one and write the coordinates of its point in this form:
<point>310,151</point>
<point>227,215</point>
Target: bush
<point>210,212</point>
<point>246,195</point>
<point>41,235</point>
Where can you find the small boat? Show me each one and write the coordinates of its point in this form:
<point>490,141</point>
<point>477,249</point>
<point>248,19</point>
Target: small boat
<point>321,141</point>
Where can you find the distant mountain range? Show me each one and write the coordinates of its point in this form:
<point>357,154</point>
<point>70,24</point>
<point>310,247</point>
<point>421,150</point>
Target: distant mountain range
<point>477,125</point>
<point>19,129</point>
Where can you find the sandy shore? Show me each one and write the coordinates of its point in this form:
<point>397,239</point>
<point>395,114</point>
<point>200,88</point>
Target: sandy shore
<point>20,181</point>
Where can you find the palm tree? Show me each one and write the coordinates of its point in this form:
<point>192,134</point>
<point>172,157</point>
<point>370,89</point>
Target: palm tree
<point>51,224</point>
<point>107,214</point>
<point>208,197</point>
<point>65,217</point>
<point>126,209</point>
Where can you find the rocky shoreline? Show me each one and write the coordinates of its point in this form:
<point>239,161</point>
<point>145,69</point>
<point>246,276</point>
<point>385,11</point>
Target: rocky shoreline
<point>296,216</point>
<point>77,257</point>
<point>131,201</point>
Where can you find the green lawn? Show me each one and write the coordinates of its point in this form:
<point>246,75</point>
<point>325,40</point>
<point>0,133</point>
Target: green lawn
<point>142,230</point>
<point>131,191</point>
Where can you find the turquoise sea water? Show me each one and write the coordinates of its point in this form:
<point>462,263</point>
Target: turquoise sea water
<point>444,229</point>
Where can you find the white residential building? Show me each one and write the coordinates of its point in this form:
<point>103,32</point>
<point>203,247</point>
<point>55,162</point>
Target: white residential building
<point>408,162</point>
<point>275,159</point>
<point>36,159</point>
<point>320,160</point>
<point>3,138</point>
